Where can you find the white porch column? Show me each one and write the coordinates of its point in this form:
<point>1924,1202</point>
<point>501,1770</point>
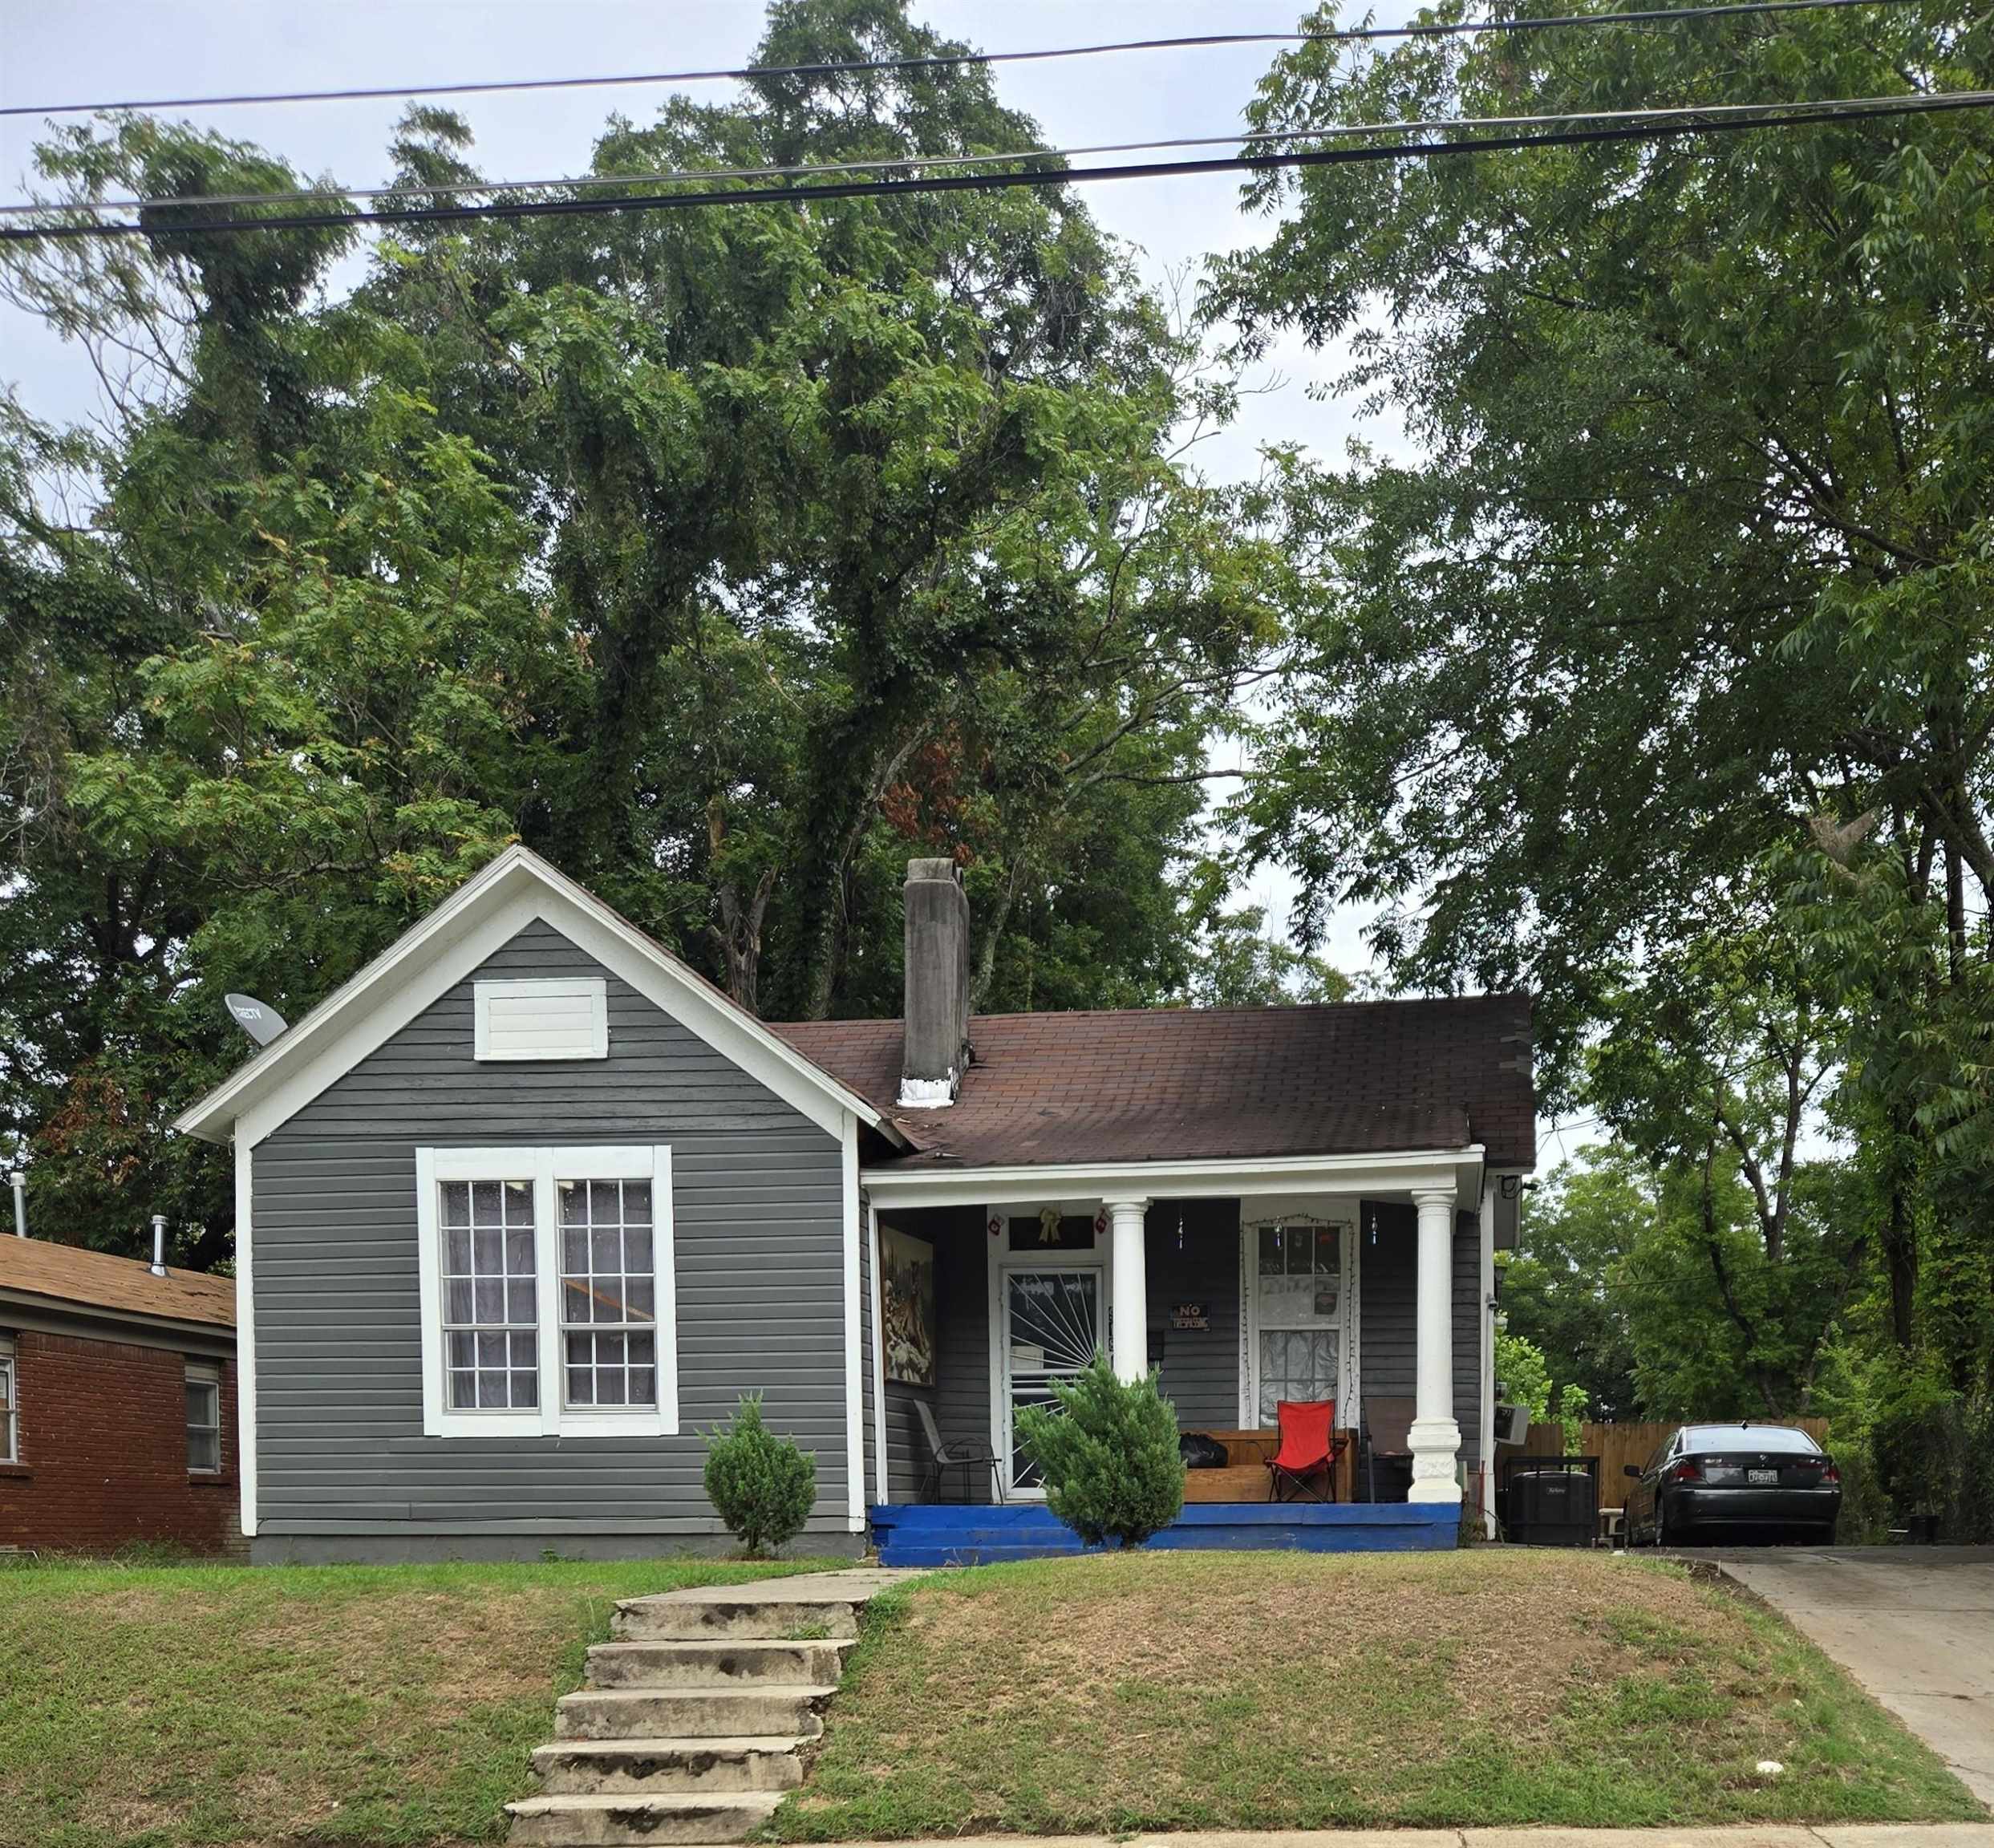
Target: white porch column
<point>1436,1437</point>
<point>1129,1325</point>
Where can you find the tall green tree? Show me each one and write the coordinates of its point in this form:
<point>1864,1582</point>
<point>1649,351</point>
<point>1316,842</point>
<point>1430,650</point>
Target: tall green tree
<point>728,557</point>
<point>1677,629</point>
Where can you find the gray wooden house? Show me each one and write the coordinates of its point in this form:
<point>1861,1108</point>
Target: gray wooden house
<point>526,1207</point>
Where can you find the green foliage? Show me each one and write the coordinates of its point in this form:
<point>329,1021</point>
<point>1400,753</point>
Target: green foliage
<point>1653,1291</point>
<point>1655,679</point>
<point>1240,964</point>
<point>727,558</point>
<point>1559,1289</point>
<point>1523,1378</point>
<point>1108,1453</point>
<point>762,1487</point>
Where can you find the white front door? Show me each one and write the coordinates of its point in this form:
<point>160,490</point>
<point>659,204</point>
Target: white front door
<point>1052,1327</point>
<point>1297,1271</point>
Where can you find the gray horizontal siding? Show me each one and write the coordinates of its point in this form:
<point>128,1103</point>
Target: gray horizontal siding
<point>758,1236</point>
<point>960,1396</point>
<point>1388,1303</point>
<point>1199,1373</point>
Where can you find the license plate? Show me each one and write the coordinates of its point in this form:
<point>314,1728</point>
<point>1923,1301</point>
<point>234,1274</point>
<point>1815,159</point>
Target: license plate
<point>1762,1478</point>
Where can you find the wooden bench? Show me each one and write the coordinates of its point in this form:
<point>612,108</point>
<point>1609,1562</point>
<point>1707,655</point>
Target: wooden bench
<point>1246,1478</point>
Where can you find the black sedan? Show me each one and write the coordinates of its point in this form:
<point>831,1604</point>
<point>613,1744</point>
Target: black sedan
<point>1713,1481</point>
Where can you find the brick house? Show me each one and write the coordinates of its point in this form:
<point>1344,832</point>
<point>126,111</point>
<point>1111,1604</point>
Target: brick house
<point>117,1403</point>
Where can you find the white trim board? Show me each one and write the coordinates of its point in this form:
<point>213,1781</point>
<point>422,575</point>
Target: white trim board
<point>854,1349</point>
<point>245,1339</point>
<point>882,1481</point>
<point>432,957</point>
<point>1257,1179</point>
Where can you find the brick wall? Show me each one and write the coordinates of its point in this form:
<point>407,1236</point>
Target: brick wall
<point>103,1450</point>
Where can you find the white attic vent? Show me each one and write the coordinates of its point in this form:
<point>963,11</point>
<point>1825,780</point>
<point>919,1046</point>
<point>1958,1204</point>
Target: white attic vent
<point>556,1018</point>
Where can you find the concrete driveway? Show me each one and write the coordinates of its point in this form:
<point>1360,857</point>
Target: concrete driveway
<point>1915,1625</point>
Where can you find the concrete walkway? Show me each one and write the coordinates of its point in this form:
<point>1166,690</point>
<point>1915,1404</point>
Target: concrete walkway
<point>1915,1626</point>
<point>1769,1835</point>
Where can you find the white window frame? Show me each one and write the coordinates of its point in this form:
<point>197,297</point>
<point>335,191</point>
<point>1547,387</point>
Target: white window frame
<point>590,989</point>
<point>545,1168</point>
<point>207,1374</point>
<point>11,1422</point>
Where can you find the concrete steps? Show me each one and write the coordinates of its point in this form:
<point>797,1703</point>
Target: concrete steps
<point>619,1821</point>
<point>680,1619</point>
<point>692,1723</point>
<point>627,1767</point>
<point>714,1662</point>
<point>692,1713</point>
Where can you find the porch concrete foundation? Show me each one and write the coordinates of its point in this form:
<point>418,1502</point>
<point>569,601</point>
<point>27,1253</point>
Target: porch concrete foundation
<point>929,1535</point>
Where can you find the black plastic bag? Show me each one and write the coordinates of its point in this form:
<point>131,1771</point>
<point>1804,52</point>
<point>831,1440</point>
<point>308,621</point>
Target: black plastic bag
<point>1200,1452</point>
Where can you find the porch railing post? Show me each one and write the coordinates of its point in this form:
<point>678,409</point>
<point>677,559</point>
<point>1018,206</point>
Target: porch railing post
<point>1128,1326</point>
<point>1435,1436</point>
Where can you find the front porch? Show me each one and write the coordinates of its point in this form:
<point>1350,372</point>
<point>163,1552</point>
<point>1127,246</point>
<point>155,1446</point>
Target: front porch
<point>1375,1297</point>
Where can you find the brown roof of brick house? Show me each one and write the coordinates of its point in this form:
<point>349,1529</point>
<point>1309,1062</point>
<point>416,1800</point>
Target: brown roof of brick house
<point>68,1274</point>
<point>1160,1084</point>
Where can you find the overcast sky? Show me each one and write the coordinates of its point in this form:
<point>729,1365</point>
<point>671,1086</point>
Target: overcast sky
<point>55,51</point>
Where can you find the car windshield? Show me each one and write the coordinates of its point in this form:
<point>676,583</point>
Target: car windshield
<point>1748,1437</point>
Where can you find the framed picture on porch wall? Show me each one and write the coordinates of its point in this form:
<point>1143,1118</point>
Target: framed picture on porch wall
<point>906,1306</point>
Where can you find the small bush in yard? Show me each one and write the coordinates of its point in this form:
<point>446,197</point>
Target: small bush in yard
<point>762,1487</point>
<point>1108,1454</point>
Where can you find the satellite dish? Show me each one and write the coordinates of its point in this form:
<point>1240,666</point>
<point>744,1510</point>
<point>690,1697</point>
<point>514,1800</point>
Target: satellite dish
<point>257,1018</point>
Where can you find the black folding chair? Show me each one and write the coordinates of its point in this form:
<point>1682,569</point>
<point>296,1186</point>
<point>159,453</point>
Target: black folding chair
<point>962,1454</point>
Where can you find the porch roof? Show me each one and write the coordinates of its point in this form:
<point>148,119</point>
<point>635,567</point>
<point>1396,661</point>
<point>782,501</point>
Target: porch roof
<point>1162,1084</point>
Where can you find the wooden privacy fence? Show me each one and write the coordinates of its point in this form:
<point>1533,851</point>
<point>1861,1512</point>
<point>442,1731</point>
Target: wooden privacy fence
<point>1616,1445</point>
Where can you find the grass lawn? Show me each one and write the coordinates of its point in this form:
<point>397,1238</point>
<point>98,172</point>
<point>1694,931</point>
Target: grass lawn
<point>224,1705</point>
<point>1292,1691</point>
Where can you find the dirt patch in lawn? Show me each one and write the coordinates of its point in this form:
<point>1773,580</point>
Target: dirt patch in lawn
<point>1162,1691</point>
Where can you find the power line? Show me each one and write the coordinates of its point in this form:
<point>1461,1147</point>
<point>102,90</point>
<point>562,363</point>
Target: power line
<point>684,176</point>
<point>1656,125</point>
<point>1645,16</point>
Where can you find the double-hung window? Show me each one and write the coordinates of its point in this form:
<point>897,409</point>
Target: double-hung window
<point>547,1288</point>
<point>204,1418</point>
<point>10,1405</point>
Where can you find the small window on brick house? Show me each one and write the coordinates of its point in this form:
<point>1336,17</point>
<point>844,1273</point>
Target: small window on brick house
<point>204,1418</point>
<point>10,1405</point>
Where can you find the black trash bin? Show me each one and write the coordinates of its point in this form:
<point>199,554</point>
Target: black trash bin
<point>1551,1501</point>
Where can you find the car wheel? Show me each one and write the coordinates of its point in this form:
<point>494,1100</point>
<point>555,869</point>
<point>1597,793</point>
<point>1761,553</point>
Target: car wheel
<point>1660,1530</point>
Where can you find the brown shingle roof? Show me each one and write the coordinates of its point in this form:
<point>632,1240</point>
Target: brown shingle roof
<point>95,1280</point>
<point>1211,1084</point>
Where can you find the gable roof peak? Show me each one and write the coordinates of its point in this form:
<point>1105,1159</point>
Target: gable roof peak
<point>444,947</point>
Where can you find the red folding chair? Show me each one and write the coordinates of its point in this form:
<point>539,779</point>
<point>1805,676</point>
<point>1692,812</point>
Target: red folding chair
<point>1310,1447</point>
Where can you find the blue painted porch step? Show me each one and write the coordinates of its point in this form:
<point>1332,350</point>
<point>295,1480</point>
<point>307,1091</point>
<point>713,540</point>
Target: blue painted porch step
<point>928,1534</point>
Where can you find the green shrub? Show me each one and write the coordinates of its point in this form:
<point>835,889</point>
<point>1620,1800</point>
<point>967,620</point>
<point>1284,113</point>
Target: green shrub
<point>762,1487</point>
<point>1108,1454</point>
<point>1917,1443</point>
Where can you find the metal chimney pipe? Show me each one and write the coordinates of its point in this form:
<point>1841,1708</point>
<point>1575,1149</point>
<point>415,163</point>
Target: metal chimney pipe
<point>20,1184</point>
<point>158,1244</point>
